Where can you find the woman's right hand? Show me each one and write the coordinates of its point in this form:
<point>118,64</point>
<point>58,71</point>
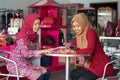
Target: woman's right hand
<point>81,60</point>
<point>46,51</point>
<point>67,51</point>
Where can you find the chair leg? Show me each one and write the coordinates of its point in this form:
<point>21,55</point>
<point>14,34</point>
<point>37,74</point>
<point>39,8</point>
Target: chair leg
<point>7,78</point>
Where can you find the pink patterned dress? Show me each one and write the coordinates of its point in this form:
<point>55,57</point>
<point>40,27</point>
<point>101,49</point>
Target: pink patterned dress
<point>22,55</point>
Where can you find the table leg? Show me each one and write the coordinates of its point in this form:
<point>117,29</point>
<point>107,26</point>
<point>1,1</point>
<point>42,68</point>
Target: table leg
<point>67,68</point>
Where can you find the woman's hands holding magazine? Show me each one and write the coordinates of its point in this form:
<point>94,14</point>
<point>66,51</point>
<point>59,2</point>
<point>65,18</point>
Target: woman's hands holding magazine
<point>67,51</point>
<point>70,49</point>
<point>44,51</point>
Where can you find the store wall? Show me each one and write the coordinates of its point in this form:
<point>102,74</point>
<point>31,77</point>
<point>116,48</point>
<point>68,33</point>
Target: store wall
<point>22,4</point>
<point>87,3</point>
<point>14,4</point>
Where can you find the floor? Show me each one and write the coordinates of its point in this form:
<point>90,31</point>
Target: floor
<point>60,75</point>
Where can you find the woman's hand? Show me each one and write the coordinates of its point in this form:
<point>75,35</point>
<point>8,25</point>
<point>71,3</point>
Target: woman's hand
<point>68,51</point>
<point>67,45</point>
<point>81,60</point>
<point>45,51</point>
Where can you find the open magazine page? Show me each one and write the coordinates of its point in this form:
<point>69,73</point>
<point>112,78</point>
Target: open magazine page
<point>62,48</point>
<point>58,49</point>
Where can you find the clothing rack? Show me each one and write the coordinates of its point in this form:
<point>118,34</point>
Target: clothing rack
<point>6,11</point>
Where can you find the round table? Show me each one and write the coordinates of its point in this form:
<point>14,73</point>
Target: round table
<point>67,56</point>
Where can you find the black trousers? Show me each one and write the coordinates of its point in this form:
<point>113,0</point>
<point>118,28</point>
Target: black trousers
<point>82,74</point>
<point>45,76</point>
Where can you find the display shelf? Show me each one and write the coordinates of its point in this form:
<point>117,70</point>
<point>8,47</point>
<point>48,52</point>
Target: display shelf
<point>112,48</point>
<point>110,44</point>
<point>105,13</point>
<point>90,12</point>
<point>104,37</point>
<point>70,11</point>
<point>51,24</point>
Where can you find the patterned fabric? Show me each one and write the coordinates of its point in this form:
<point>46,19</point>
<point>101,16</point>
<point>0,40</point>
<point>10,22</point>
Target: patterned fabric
<point>22,55</point>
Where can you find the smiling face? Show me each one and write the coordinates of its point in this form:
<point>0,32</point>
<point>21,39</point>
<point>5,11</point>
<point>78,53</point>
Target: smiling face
<point>76,28</point>
<point>36,25</point>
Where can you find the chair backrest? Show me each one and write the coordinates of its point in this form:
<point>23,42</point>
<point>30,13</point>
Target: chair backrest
<point>111,77</point>
<point>3,63</point>
<point>4,54</point>
<point>4,58</point>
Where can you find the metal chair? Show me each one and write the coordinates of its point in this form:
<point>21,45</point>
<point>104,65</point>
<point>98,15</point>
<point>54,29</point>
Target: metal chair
<point>117,77</point>
<point>3,62</point>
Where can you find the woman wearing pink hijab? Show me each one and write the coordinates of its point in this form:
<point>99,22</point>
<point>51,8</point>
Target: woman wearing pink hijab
<point>25,49</point>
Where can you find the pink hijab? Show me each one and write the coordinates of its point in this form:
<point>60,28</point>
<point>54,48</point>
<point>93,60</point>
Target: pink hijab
<point>26,31</point>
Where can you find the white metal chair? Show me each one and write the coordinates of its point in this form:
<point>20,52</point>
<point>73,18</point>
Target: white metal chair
<point>3,62</point>
<point>111,77</point>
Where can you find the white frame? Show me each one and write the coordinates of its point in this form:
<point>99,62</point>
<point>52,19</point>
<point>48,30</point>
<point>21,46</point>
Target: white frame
<point>4,58</point>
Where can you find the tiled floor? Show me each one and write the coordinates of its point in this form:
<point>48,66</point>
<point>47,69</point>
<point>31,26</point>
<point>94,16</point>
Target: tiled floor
<point>60,75</point>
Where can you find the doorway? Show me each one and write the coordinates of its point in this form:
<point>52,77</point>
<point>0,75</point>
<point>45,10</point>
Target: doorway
<point>105,12</point>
